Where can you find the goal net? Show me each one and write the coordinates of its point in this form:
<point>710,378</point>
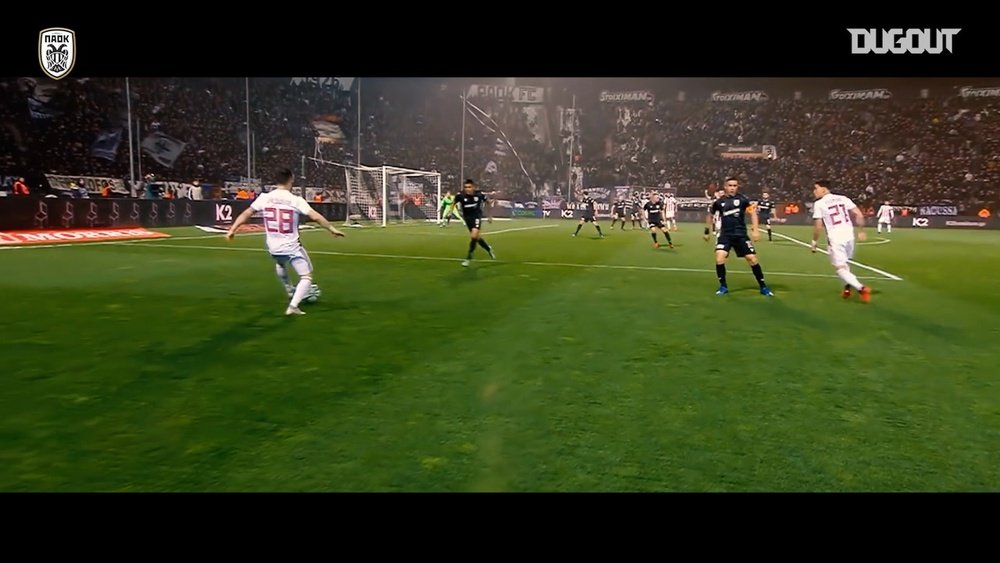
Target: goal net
<point>385,195</point>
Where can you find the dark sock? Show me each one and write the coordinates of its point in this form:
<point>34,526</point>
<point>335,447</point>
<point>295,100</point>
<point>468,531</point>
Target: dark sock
<point>769,233</point>
<point>720,272</point>
<point>599,230</point>
<point>483,244</point>
<point>654,236</point>
<point>472,247</point>
<point>759,274</point>
<point>578,229</point>
<point>667,234</point>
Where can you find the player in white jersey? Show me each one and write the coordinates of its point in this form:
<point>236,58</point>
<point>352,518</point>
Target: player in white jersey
<point>885,215</point>
<point>282,209</point>
<point>716,218</point>
<point>834,213</point>
<point>670,212</point>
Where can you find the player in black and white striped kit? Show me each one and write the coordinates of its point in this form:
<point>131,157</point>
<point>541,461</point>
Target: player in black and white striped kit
<point>621,208</point>
<point>636,210</point>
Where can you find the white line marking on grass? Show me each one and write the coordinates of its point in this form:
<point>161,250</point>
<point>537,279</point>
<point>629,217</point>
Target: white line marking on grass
<point>488,233</point>
<point>446,259</point>
<point>858,264</point>
<point>443,233</point>
<point>220,236</point>
<point>878,240</point>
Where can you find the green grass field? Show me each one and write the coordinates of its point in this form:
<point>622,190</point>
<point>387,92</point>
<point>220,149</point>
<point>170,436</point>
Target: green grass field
<point>566,365</point>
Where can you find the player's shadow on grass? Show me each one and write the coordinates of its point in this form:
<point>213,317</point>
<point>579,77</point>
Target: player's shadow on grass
<point>198,358</point>
<point>473,270</point>
<point>334,303</point>
<point>778,290</point>
<point>894,317</point>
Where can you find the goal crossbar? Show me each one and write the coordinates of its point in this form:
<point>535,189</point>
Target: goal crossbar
<point>383,173</point>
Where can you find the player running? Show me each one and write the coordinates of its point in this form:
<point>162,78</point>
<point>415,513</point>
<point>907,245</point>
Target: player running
<point>834,212</point>
<point>282,209</point>
<point>472,201</point>
<point>765,206</point>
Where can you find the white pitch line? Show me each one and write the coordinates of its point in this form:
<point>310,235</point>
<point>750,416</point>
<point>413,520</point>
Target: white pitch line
<point>488,233</point>
<point>445,259</point>
<point>213,236</point>
<point>858,264</point>
<point>880,240</point>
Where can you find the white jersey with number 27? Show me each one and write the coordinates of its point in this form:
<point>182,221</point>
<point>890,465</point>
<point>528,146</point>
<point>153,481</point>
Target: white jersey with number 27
<point>281,210</point>
<point>835,211</point>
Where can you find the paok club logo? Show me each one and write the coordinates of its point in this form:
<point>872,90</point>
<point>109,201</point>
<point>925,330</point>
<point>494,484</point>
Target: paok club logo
<point>57,51</point>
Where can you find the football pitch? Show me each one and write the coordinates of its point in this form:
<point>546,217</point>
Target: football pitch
<point>568,364</point>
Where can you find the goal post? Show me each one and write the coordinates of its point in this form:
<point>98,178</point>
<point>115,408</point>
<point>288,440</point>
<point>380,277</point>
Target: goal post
<point>385,195</point>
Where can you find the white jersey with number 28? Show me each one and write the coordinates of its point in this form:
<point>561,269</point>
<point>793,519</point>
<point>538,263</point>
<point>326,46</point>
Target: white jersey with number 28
<point>281,210</point>
<point>835,211</point>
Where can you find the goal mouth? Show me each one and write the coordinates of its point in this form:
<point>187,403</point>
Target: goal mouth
<point>388,195</point>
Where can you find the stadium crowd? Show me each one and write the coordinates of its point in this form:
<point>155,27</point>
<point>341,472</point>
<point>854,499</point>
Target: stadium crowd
<point>939,150</point>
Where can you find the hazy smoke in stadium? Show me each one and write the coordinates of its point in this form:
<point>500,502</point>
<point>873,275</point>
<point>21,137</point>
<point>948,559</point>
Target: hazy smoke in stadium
<point>498,131</point>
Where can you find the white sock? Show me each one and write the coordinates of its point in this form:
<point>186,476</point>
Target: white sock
<point>849,278</point>
<point>301,290</point>
<point>282,274</point>
<point>889,227</point>
<point>880,227</point>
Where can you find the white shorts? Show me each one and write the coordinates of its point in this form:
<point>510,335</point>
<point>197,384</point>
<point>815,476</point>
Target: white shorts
<point>670,216</point>
<point>884,221</point>
<point>841,252</point>
<point>299,260</point>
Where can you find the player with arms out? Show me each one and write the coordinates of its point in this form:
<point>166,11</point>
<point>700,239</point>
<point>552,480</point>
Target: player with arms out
<point>281,209</point>
<point>620,212</point>
<point>448,209</point>
<point>764,209</point>
<point>732,208</point>
<point>885,215</point>
<point>833,212</point>
<point>654,218</point>
<point>670,212</point>
<point>471,201</point>
<point>589,215</point>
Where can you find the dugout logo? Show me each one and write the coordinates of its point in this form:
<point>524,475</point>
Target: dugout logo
<point>57,51</point>
<point>921,222</point>
<point>900,41</point>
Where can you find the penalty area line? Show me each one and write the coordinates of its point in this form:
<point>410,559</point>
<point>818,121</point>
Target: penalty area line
<point>892,277</point>
<point>447,259</point>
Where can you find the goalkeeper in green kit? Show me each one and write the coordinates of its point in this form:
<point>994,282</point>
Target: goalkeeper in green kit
<point>448,209</point>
